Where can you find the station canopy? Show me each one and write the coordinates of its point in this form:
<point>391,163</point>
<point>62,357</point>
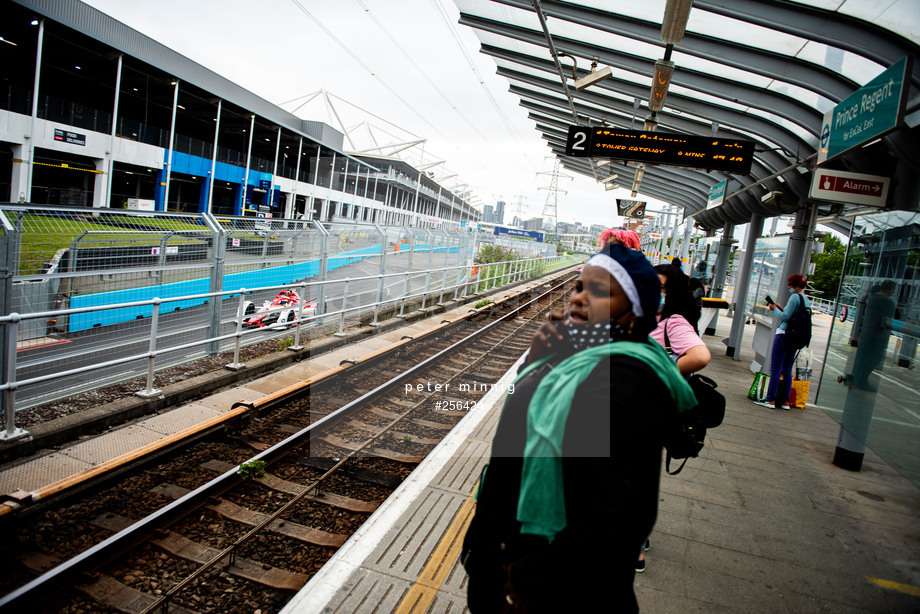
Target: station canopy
<point>761,71</point>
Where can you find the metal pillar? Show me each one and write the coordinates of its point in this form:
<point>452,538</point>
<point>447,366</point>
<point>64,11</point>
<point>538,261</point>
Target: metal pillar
<point>110,163</point>
<point>718,275</point>
<point>798,243</point>
<point>739,299</point>
<point>9,264</point>
<point>673,249</point>
<point>31,147</point>
<point>172,145</point>
<point>219,256</point>
<point>296,179</point>
<point>381,286</point>
<point>214,158</point>
<point>319,151</point>
<point>685,248</point>
<point>271,182</point>
<point>323,270</point>
<point>245,182</point>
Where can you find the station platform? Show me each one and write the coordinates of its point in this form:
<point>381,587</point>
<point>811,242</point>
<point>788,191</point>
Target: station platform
<point>760,522</point>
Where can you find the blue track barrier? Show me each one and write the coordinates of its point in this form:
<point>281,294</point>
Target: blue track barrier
<point>274,276</point>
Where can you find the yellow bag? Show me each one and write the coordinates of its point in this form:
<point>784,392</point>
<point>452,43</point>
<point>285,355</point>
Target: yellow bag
<point>801,392</point>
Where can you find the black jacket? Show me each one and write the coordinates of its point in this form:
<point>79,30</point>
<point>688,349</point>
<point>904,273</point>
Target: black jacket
<point>611,466</point>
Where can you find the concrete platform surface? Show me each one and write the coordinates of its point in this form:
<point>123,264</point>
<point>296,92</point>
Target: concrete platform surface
<point>761,522</point>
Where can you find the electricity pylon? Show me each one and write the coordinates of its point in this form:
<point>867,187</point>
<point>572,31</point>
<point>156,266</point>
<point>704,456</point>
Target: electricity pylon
<point>551,206</point>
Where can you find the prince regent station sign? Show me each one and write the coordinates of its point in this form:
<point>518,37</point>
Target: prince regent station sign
<point>867,113</point>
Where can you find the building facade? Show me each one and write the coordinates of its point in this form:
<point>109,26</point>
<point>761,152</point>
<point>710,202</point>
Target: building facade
<point>95,114</point>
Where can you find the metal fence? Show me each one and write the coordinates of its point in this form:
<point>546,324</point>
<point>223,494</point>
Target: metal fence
<point>97,296</point>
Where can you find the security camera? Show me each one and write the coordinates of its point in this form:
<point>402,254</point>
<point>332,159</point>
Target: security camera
<point>772,198</point>
<point>592,77</point>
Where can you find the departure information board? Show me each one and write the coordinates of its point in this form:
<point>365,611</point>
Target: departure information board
<point>673,149</point>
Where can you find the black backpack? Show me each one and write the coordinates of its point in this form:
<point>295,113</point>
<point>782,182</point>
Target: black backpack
<point>798,330</point>
<point>685,433</point>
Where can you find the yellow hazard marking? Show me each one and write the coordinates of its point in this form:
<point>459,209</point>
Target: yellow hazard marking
<point>70,168</point>
<point>422,593</point>
<point>907,589</point>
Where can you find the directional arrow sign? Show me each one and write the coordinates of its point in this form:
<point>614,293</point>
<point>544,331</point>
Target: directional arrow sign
<point>853,188</point>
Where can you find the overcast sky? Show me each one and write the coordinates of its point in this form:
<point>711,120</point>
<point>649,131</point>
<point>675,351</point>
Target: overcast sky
<point>407,62</point>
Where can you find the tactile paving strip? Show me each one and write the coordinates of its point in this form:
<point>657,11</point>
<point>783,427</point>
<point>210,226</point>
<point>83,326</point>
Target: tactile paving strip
<point>113,444</point>
<point>223,401</point>
<point>40,472</point>
<point>180,419</point>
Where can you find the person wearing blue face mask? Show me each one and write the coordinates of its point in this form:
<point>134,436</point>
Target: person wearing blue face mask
<point>588,409</point>
<point>677,321</point>
<point>783,354</point>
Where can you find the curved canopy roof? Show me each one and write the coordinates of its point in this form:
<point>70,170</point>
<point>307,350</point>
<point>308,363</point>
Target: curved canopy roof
<point>759,70</point>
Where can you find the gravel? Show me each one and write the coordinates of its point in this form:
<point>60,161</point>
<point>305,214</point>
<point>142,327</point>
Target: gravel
<point>164,377</point>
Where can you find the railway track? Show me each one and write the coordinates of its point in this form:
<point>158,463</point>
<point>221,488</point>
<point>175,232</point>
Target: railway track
<point>245,516</point>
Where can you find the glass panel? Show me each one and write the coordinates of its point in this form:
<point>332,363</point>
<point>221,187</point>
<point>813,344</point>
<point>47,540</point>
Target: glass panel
<point>766,278</point>
<point>869,382</point>
<point>797,129</point>
<point>899,16</point>
<point>707,253</point>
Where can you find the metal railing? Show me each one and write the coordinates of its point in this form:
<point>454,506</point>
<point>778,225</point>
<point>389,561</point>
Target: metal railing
<point>165,334</point>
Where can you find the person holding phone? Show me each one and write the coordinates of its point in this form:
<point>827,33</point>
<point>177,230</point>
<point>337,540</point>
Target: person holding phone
<point>587,409</point>
<point>783,355</point>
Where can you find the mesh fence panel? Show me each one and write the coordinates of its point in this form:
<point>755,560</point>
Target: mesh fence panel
<point>202,272</point>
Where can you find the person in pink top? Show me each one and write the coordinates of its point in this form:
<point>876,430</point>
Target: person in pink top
<point>677,317</point>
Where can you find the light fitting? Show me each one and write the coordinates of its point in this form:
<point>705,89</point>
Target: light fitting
<point>676,13</point>
<point>664,70</point>
<point>592,77</point>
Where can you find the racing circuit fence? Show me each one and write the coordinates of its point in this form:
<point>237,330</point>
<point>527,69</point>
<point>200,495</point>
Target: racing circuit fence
<point>97,296</point>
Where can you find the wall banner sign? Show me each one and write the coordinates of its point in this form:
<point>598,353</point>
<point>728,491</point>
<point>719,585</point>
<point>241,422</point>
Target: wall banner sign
<point>69,137</point>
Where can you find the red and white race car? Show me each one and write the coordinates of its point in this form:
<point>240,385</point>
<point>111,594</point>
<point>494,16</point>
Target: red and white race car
<point>280,312</point>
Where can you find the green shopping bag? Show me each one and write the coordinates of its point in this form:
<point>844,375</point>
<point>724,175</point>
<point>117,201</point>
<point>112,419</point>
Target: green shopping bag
<point>759,387</point>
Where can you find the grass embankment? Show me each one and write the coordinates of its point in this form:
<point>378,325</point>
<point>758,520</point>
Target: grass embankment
<point>44,235</point>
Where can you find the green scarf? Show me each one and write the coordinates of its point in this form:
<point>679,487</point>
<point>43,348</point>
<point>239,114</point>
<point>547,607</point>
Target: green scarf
<point>541,503</point>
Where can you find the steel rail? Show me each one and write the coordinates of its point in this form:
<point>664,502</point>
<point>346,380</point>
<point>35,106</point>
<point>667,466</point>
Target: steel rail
<point>27,596</point>
<point>264,402</point>
<point>163,601</point>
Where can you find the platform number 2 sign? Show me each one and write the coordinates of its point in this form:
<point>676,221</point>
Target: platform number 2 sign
<point>578,142</point>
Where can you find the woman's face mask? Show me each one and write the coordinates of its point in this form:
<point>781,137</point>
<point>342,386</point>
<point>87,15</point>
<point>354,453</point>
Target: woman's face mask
<point>791,290</point>
<point>581,337</point>
<point>661,302</point>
